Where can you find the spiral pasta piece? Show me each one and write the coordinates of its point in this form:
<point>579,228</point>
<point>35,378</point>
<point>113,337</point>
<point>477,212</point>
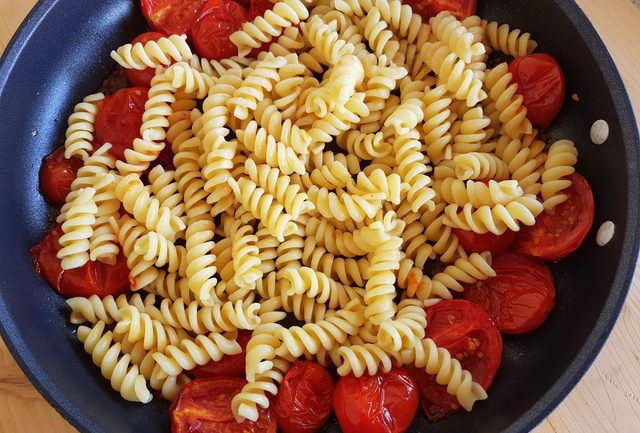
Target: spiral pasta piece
<point>477,165</point>
<point>94,309</point>
<point>164,51</point>
<point>154,247</point>
<point>246,262</point>
<point>436,127</point>
<point>139,326</point>
<point>408,326</point>
<point>103,243</point>
<point>79,134</point>
<point>470,132</point>
<point>511,42</point>
<point>523,161</point>
<point>326,39</point>
<point>369,358</point>
<point>77,230</point>
<point>190,80</point>
<point>201,268</point>
<point>561,158</point>
<point>381,40</point>
<point>468,270</point>
<point>412,169</point>
<point>460,41</point>
<point>341,205</point>
<point>266,149</point>
<point>478,193</point>
<point>509,104</point>
<point>170,286</point>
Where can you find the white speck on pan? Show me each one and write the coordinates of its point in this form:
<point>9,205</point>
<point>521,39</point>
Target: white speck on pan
<point>605,233</point>
<point>599,131</point>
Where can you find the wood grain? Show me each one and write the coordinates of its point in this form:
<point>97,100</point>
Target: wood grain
<point>608,397</point>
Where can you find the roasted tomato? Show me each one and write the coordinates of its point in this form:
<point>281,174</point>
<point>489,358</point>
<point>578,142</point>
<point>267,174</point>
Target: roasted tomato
<point>541,82</point>
<point>471,337</point>
<point>477,243</point>
<point>303,403</point>
<point>57,173</point>
<point>382,403</point>
<point>143,78</point>
<point>94,278</point>
<point>521,295</point>
<point>258,8</point>
<point>555,236</point>
<point>229,365</point>
<point>204,406</point>
<point>217,20</point>
<point>430,8</point>
<point>171,16</point>
<point>119,119</point>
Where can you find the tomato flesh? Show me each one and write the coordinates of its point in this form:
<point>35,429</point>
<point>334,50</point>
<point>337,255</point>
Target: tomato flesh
<point>304,399</point>
<point>555,236</point>
<point>119,119</point>
<point>429,8</point>
<point>258,8</point>
<point>143,78</point>
<point>382,403</point>
<point>541,83</point>
<point>477,243</point>
<point>213,25</point>
<point>171,16</point>
<point>471,337</point>
<point>204,406</point>
<point>521,295</point>
<point>94,278</point>
<point>57,173</point>
<point>229,365</point>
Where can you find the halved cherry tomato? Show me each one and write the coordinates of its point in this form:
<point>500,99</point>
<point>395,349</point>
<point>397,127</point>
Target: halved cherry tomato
<point>204,406</point>
<point>229,365</point>
<point>303,403</point>
<point>477,243</point>
<point>171,16</point>
<point>56,175</point>
<point>382,403</point>
<point>555,236</point>
<point>143,78</point>
<point>215,22</point>
<point>471,337</point>
<point>541,82</point>
<point>430,8</point>
<point>521,295</point>
<point>258,8</point>
<point>119,119</point>
<point>94,278</point>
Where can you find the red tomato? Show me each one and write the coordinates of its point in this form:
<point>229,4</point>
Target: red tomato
<point>143,78</point>
<point>382,403</point>
<point>554,236</point>
<point>258,8</point>
<point>477,243</point>
<point>119,119</point>
<point>303,403</point>
<point>204,406</point>
<point>430,8</point>
<point>215,22</point>
<point>541,82</point>
<point>521,295</point>
<point>229,365</point>
<point>471,337</point>
<point>171,16</point>
<point>94,278</point>
<point>56,175</point>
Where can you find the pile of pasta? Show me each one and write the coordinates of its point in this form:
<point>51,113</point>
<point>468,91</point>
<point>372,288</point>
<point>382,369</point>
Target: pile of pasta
<point>314,181</point>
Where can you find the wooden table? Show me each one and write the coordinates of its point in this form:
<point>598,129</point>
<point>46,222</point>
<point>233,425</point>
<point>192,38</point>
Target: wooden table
<point>608,397</point>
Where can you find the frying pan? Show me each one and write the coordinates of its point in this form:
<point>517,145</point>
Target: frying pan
<point>61,54</point>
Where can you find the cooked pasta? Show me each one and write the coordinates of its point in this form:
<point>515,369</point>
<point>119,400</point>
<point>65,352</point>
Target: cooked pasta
<point>79,134</point>
<point>164,51</point>
<point>561,158</point>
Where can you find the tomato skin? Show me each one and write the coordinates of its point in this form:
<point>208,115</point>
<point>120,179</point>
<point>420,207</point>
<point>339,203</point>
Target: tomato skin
<point>429,8</point>
<point>521,295</point>
<point>477,243</point>
<point>119,119</point>
<point>229,365</point>
<point>258,8</point>
<point>304,399</point>
<point>555,236</point>
<point>143,78</point>
<point>94,278</point>
<point>57,173</point>
<point>471,336</point>
<point>541,82</point>
<point>171,16</point>
<point>204,406</point>
<point>213,25</point>
<point>382,403</point>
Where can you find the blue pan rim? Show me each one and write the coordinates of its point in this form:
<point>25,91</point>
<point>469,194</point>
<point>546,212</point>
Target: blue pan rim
<point>578,367</point>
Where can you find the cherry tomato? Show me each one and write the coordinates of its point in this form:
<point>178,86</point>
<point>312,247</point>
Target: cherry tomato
<point>143,78</point>
<point>521,295</point>
<point>258,8</point>
<point>554,236</point>
<point>382,403</point>
<point>471,337</point>
<point>429,8</point>
<point>215,22</point>
<point>477,243</point>
<point>56,175</point>
<point>119,119</point>
<point>303,403</point>
<point>116,80</point>
<point>94,278</point>
<point>171,16</point>
<point>204,406</point>
<point>229,365</point>
<point>541,82</point>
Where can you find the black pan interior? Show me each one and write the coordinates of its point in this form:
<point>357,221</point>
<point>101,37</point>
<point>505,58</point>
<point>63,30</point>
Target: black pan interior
<point>61,55</point>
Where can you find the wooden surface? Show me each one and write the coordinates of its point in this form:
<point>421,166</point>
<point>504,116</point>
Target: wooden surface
<point>608,397</point>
